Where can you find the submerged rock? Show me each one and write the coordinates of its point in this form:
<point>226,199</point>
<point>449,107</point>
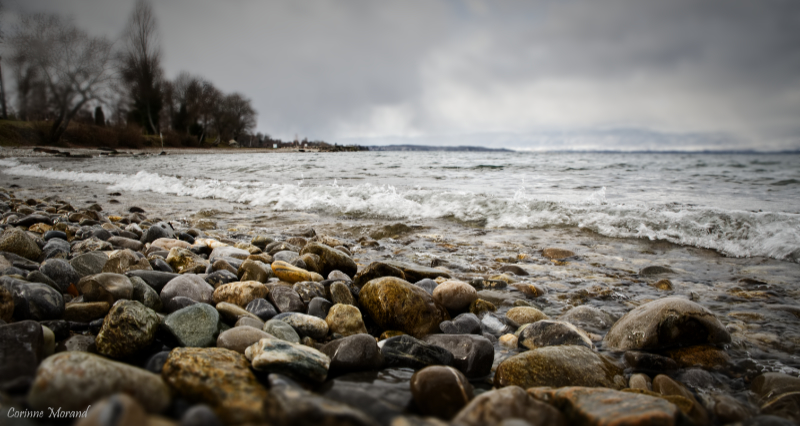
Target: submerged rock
<point>406,351</point>
<point>552,333</point>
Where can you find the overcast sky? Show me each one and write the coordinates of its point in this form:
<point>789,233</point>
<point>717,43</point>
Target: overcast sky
<point>561,74</point>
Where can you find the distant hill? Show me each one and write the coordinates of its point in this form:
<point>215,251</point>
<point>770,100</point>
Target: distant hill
<point>436,148</point>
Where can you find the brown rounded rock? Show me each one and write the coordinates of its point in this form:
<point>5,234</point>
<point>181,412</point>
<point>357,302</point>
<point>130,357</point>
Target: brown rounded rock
<point>455,295</point>
<point>330,259</point>
<point>253,270</point>
<point>525,315</point>
<point>395,304</point>
<point>240,338</point>
<point>703,355</point>
<point>558,366</point>
<point>598,406</point>
<point>666,323</point>
<point>376,270</point>
<point>17,241</point>
<point>345,320</point>
<point>495,406</point>
<point>289,273</point>
<point>440,391</point>
<point>240,293</point>
<point>222,379</point>
<point>557,253</point>
<point>105,287</point>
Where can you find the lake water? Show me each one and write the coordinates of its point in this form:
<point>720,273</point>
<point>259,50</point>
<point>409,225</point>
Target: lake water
<point>742,205</point>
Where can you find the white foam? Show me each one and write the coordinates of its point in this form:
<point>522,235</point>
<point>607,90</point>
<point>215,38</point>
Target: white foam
<point>735,233</point>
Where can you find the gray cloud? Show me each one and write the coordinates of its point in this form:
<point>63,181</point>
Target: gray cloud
<point>538,74</point>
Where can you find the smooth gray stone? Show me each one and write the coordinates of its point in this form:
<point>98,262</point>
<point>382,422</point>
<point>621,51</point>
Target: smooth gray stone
<point>89,263</point>
<point>187,285</point>
<point>281,330</point>
<point>194,326</point>
<point>467,323</point>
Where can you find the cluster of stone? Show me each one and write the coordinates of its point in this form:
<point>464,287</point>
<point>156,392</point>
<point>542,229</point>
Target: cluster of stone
<point>149,322</point>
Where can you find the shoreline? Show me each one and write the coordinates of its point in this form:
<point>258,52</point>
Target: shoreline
<point>78,152</point>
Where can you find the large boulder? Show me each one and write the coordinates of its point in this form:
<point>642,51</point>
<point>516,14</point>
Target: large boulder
<point>395,304</point>
<point>666,323</point>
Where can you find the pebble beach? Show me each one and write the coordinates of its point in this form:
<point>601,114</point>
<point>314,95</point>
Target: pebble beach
<point>125,307</point>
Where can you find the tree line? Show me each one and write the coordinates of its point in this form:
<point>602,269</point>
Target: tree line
<point>62,74</point>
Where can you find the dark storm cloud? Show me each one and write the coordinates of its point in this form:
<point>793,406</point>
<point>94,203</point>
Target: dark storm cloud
<point>538,74</point>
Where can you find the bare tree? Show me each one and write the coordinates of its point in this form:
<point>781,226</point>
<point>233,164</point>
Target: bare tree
<point>140,67</point>
<point>73,67</point>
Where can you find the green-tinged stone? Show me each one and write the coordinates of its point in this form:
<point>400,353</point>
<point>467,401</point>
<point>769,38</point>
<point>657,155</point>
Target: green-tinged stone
<point>194,326</point>
<point>395,304</point>
<point>292,359</point>
<point>128,328</point>
<point>558,366</point>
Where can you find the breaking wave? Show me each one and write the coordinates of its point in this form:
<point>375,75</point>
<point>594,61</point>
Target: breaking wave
<point>733,232</point>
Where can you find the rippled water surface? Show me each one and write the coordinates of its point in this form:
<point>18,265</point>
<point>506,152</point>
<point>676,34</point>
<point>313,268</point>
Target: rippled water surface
<point>741,205</point>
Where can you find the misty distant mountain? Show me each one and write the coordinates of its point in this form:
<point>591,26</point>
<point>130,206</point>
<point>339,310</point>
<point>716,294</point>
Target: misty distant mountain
<point>436,148</point>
